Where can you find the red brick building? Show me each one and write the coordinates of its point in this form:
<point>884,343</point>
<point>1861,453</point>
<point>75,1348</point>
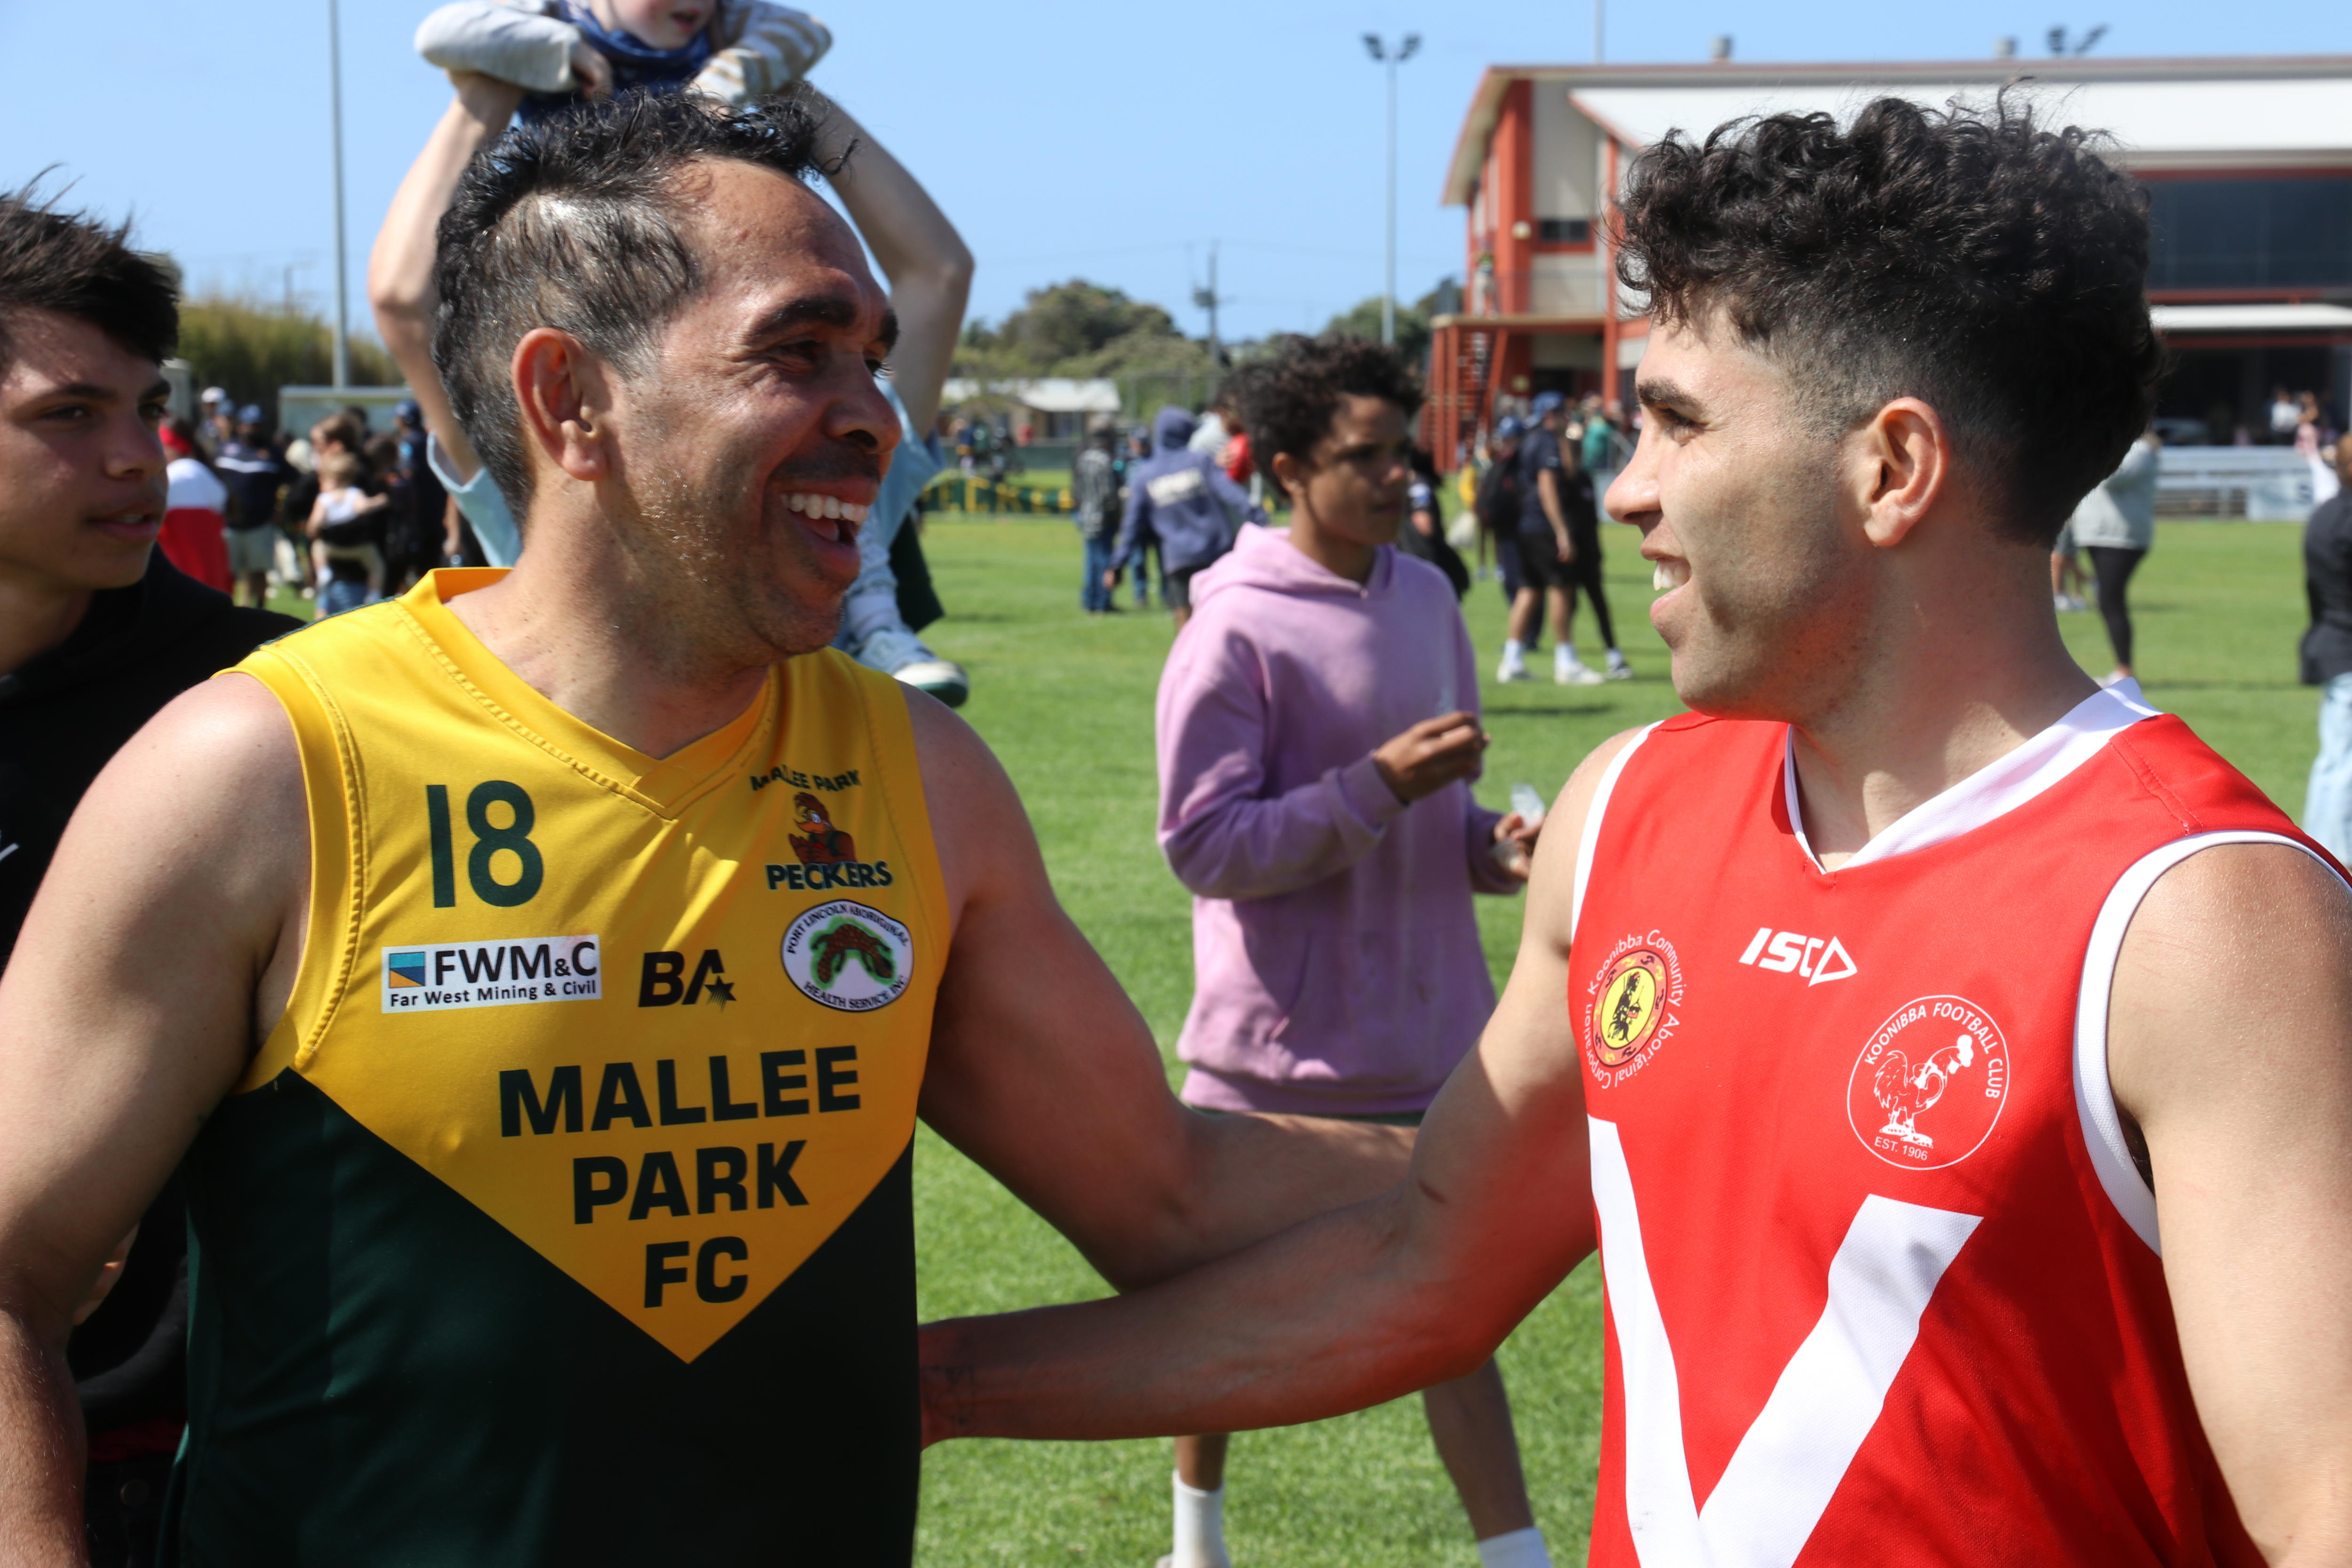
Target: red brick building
<point>2247,163</point>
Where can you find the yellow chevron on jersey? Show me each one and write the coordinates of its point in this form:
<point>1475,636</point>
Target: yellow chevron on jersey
<point>663,1020</point>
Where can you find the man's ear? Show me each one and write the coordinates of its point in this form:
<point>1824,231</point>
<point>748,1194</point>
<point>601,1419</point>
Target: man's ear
<point>1901,466</point>
<point>563,392</point>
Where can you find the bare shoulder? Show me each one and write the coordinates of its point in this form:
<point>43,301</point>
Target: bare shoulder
<point>2266,916</point>
<point>1551,891</point>
<point>221,751</point>
<point>1574,803</point>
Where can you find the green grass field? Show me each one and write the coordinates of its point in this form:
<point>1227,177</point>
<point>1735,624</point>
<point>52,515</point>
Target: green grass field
<point>1066,700</point>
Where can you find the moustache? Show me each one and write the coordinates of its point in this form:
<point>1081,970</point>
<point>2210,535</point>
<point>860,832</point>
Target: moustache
<point>836,461</point>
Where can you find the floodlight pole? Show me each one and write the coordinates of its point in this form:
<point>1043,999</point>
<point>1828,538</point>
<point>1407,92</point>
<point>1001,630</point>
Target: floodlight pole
<point>1392,59</point>
<point>343,266</point>
<point>1599,13</point>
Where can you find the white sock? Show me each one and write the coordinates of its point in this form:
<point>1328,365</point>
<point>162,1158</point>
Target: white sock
<point>1201,1528</point>
<point>1565,656</point>
<point>1514,650</point>
<point>1518,1549</point>
<point>1616,656</point>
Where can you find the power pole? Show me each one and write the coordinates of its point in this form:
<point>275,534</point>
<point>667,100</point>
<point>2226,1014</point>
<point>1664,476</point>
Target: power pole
<point>1383,54</point>
<point>1598,12</point>
<point>342,272</point>
<point>1208,300</point>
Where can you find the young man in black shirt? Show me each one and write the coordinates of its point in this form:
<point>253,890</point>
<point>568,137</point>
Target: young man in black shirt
<point>97,632</point>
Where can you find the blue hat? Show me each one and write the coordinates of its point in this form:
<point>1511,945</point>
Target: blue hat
<point>1509,428</point>
<point>251,415</point>
<point>406,409</point>
<point>1546,401</point>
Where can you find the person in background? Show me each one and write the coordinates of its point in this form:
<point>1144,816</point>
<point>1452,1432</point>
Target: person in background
<point>1423,537</point>
<point>98,631</point>
<point>2285,413</point>
<point>1147,544</point>
<point>215,421</point>
<point>346,532</point>
<point>2326,661</point>
<point>1186,501</point>
<point>2116,524</point>
<point>1094,492</point>
<point>1213,432</point>
<point>418,539</point>
<point>1559,544</point>
<point>1318,733</point>
<point>1497,503</point>
<point>2067,579</point>
<point>194,511</point>
<point>255,476</point>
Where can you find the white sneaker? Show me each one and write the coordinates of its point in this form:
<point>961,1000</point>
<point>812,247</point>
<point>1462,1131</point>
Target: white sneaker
<point>1512,669</point>
<point>1617,671</point>
<point>1578,674</point>
<point>943,678</point>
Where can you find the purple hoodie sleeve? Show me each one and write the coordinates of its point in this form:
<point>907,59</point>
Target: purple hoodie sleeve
<point>1223,837</point>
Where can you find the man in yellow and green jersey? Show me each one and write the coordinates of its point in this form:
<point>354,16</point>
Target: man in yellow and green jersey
<point>541,975</point>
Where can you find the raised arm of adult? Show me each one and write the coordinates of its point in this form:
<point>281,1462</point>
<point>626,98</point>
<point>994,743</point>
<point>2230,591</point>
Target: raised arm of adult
<point>1415,1286</point>
<point>163,943</point>
<point>400,269</point>
<point>925,259</point>
<point>2240,1088</point>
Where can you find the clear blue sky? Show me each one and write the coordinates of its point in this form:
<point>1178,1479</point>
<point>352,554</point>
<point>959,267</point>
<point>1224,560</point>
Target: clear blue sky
<point>1111,142</point>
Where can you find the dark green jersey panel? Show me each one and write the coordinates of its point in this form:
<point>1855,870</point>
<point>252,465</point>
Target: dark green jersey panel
<point>382,1374</point>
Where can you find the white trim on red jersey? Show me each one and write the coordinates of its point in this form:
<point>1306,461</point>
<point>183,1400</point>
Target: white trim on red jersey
<point>1788,1465</point>
<point>2094,1095</point>
<point>1593,814</point>
<point>1999,787</point>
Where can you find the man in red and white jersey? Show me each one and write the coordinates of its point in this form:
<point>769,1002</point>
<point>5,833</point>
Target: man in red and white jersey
<point>1950,1060</point>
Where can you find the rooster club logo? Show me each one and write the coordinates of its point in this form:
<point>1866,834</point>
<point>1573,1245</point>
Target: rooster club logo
<point>849,957</point>
<point>1633,998</point>
<point>1928,1085</point>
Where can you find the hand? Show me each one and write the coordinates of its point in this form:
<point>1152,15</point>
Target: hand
<point>1567,551</point>
<point>591,73</point>
<point>1515,845</point>
<point>1431,755</point>
<point>108,1275</point>
<point>1110,577</point>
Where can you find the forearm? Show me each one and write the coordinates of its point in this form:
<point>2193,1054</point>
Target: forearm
<point>400,270</point>
<point>41,1450</point>
<point>1247,847</point>
<point>921,253</point>
<point>1317,1324</point>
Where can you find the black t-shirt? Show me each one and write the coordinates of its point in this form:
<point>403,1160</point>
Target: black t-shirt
<point>1538,452</point>
<point>62,715</point>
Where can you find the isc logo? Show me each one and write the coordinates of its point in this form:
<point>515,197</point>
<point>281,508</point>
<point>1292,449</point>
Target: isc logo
<point>1781,952</point>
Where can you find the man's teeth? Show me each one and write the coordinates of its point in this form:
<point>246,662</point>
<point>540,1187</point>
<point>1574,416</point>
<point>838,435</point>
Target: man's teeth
<point>823,506</point>
<point>1669,574</point>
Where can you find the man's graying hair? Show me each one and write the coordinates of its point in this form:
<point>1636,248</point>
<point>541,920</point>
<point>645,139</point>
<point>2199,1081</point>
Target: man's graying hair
<point>572,224</point>
<point>1973,258</point>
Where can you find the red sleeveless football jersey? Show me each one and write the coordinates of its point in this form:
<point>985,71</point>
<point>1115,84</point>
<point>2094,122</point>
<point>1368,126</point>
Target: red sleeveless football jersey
<point>1884,1282</point>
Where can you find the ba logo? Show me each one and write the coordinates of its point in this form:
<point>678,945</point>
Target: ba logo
<point>1928,1085</point>
<point>663,983</point>
<point>1633,998</point>
<point>848,957</point>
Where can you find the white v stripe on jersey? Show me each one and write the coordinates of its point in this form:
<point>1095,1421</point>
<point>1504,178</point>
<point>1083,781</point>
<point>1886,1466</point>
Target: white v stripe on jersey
<point>1828,1397</point>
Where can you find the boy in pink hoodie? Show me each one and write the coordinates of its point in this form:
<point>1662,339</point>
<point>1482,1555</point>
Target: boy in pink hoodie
<point>1317,731</point>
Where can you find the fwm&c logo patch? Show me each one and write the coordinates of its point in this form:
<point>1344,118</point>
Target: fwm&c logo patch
<point>848,957</point>
<point>436,977</point>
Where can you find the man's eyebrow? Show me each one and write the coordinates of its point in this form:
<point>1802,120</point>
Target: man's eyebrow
<point>1662,393</point>
<point>836,311</point>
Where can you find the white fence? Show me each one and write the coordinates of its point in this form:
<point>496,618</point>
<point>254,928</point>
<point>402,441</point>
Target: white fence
<point>2258,483</point>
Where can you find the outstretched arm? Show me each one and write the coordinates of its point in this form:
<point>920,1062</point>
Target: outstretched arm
<point>1044,1073</point>
<point>399,270</point>
<point>919,251</point>
<point>2253,1192</point>
<point>1413,1287</point>
<point>128,1010</point>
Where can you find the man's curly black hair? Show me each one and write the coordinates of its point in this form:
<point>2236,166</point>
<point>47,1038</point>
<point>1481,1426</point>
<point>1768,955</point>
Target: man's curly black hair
<point>1970,257</point>
<point>572,223</point>
<point>1287,400</point>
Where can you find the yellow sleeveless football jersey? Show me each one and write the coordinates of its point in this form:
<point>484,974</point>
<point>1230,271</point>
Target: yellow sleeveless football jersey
<point>662,1025</point>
